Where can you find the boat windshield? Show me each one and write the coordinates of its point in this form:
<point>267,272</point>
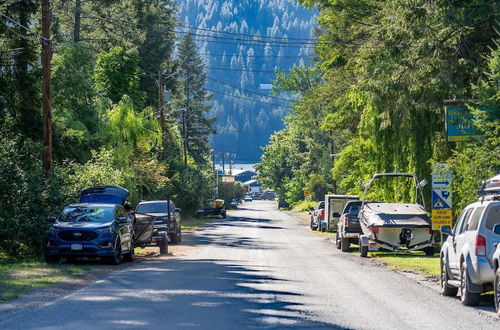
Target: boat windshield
<point>100,214</point>
<point>393,189</point>
<point>160,207</point>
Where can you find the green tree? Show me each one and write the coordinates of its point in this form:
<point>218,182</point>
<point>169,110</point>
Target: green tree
<point>117,74</point>
<point>193,101</point>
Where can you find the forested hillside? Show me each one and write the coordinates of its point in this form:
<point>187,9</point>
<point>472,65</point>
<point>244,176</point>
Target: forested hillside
<point>253,39</point>
<point>386,71</point>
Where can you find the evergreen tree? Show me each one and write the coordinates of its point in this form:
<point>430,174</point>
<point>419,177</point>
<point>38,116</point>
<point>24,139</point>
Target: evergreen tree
<point>196,125</point>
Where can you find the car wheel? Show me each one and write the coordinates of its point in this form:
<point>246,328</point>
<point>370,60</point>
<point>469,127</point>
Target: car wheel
<point>344,244</point>
<point>337,241</point>
<point>175,237</point>
<point>429,251</point>
<point>446,289</point>
<point>116,259</point>
<point>497,291</point>
<point>163,246</point>
<point>311,224</point>
<point>130,255</point>
<point>51,259</point>
<point>467,297</point>
<point>363,251</point>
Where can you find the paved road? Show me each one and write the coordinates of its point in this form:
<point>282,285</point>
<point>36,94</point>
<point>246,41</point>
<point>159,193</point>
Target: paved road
<point>259,269</point>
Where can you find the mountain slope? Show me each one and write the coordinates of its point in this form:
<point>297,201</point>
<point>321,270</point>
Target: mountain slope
<point>253,39</point>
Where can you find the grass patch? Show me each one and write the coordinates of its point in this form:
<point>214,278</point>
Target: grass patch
<point>324,233</point>
<point>193,223</point>
<point>413,261</point>
<point>18,279</point>
<point>304,206</point>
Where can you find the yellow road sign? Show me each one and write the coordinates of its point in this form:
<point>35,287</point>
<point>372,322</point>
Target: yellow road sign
<point>441,217</point>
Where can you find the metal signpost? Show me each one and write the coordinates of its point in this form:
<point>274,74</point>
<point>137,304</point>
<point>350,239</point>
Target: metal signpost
<point>442,214</point>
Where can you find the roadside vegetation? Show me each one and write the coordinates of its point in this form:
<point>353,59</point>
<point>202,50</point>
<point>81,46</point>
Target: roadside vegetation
<point>18,279</point>
<point>416,262</point>
<point>109,126</point>
<point>374,99</point>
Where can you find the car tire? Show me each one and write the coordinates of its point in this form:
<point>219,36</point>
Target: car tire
<point>344,244</point>
<point>311,224</point>
<point>50,259</point>
<point>163,244</point>
<point>176,237</point>
<point>446,289</point>
<point>497,291</point>
<point>116,259</point>
<point>467,297</point>
<point>363,251</point>
<point>337,241</point>
<point>130,255</point>
<point>429,251</point>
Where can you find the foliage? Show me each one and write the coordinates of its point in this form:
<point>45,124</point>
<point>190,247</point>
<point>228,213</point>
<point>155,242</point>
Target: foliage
<point>231,190</point>
<point>195,124</point>
<point>304,206</point>
<point>117,74</point>
<point>386,69</point>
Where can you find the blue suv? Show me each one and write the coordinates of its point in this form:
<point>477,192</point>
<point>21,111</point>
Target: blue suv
<point>97,227</point>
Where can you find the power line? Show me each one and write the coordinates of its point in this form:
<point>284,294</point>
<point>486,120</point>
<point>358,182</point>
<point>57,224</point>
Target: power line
<point>237,69</point>
<point>257,56</point>
<point>249,91</point>
<point>247,98</point>
<point>36,37</point>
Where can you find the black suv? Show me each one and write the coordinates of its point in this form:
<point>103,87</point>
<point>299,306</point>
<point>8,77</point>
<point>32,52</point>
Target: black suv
<point>154,220</point>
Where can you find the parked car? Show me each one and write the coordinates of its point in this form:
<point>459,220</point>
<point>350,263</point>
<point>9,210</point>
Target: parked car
<point>283,204</point>
<point>467,256</point>
<point>215,209</point>
<point>233,204</point>
<point>317,215</point>
<point>349,230</point>
<point>496,266</point>
<point>166,221</point>
<point>269,195</point>
<point>97,227</point>
<point>248,198</point>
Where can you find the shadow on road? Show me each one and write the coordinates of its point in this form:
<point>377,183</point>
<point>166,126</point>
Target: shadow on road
<point>207,294</point>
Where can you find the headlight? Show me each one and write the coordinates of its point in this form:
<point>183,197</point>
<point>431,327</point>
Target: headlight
<point>105,230</point>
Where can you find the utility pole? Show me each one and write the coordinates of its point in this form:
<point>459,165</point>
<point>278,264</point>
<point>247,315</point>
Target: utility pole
<point>216,176</point>
<point>223,163</point>
<point>76,27</point>
<point>161,104</point>
<point>46,97</point>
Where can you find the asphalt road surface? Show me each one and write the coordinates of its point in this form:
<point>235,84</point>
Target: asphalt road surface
<point>261,269</point>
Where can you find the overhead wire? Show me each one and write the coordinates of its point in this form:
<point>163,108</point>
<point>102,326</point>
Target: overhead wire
<point>248,91</point>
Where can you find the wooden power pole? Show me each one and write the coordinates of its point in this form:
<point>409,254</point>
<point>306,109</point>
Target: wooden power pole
<point>46,97</point>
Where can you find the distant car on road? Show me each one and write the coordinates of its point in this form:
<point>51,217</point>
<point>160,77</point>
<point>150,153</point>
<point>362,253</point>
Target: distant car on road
<point>467,261</point>
<point>166,220</point>
<point>215,209</point>
<point>349,230</point>
<point>283,204</point>
<point>317,215</point>
<point>248,198</point>
<point>97,227</point>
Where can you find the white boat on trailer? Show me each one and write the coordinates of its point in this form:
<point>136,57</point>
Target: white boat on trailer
<point>397,227</point>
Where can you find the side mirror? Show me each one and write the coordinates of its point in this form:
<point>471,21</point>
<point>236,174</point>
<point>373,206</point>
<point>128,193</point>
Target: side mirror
<point>122,220</point>
<point>336,215</point>
<point>52,219</point>
<point>446,230</point>
<point>178,210</point>
<point>496,229</point>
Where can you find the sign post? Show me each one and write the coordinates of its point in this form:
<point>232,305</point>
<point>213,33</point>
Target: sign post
<point>442,214</point>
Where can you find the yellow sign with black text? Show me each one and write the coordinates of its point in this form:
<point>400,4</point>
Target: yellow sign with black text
<point>441,217</point>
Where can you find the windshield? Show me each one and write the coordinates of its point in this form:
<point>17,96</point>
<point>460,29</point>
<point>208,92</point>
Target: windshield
<point>354,208</point>
<point>152,208</point>
<point>101,214</point>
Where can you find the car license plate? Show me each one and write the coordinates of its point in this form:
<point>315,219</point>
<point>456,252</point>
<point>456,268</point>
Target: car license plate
<point>76,247</point>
